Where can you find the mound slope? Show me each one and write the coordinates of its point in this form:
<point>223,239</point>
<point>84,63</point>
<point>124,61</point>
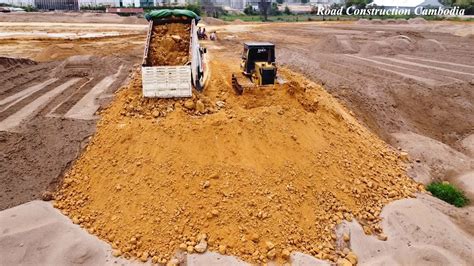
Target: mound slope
<point>265,174</point>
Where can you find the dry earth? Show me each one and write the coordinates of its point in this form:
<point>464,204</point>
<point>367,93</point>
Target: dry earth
<point>402,81</point>
<point>48,101</point>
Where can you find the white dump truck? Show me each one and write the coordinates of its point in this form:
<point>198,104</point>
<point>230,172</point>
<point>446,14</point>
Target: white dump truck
<point>165,81</point>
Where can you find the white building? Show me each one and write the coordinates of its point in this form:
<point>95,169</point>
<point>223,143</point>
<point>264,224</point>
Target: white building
<point>107,3</point>
<point>24,3</point>
<point>405,3</point>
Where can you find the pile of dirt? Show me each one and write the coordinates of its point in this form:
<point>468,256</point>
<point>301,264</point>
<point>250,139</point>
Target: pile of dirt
<point>401,44</point>
<point>59,51</point>
<point>170,44</point>
<point>336,44</point>
<point>210,21</point>
<point>417,20</point>
<point>271,173</point>
<point>139,107</point>
<point>392,45</point>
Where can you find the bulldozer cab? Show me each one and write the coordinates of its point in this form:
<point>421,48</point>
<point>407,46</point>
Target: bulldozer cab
<point>256,52</point>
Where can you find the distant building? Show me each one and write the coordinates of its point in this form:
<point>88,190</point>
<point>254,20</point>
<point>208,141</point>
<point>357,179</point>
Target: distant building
<point>57,4</point>
<point>24,3</point>
<point>92,3</point>
<point>256,3</point>
<point>125,10</point>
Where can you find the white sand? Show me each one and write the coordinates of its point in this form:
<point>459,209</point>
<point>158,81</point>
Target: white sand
<point>421,231</point>
<point>37,234</point>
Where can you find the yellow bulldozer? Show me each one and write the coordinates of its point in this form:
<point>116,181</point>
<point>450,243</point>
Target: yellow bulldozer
<point>257,67</point>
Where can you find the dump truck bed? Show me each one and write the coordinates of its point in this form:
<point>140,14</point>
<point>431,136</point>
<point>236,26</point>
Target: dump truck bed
<point>165,81</point>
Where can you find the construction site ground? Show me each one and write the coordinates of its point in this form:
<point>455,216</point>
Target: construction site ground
<point>261,175</point>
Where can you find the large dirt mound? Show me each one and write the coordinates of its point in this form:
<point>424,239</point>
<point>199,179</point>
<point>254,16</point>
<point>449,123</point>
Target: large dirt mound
<point>270,172</point>
<point>170,44</point>
<point>336,44</point>
<point>60,51</point>
<point>401,44</point>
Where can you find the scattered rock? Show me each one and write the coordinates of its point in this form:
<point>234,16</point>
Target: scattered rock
<point>271,254</point>
<point>269,245</point>
<point>352,257</point>
<point>144,257</point>
<point>285,254</point>
<point>346,237</point>
<point>404,156</point>
<point>47,196</point>
<point>116,252</point>
<point>201,247</point>
<point>200,106</point>
<point>382,237</point>
<point>189,104</point>
<point>222,249</point>
<point>343,262</point>
<point>190,249</point>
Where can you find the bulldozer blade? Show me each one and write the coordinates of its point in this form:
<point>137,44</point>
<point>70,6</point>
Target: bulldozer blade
<point>235,84</point>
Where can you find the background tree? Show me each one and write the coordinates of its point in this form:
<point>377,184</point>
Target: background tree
<point>263,7</point>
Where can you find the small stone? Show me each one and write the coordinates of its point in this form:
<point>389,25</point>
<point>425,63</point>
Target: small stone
<point>116,252</point>
<point>404,156</point>
<point>190,249</point>
<point>201,247</point>
<point>189,104</point>
<point>173,262</point>
<point>156,114</point>
<point>382,237</point>
<point>343,262</point>
<point>214,176</point>
<point>254,237</point>
<point>200,106</point>
<point>222,249</point>
<point>183,246</point>
<point>269,245</point>
<point>206,184</point>
<point>352,257</point>
<point>176,38</point>
<point>215,212</point>
<point>285,254</point>
<point>47,196</point>
<point>271,254</point>
<point>144,257</point>
<point>346,237</point>
<point>75,220</point>
<point>346,251</point>
<point>220,104</point>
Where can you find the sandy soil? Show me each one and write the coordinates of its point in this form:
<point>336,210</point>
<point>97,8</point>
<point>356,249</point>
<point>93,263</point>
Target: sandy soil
<point>212,179</point>
<point>48,104</point>
<point>415,78</point>
<point>169,45</point>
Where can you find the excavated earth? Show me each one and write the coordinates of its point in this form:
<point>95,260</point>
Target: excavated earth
<point>170,44</point>
<point>257,176</point>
